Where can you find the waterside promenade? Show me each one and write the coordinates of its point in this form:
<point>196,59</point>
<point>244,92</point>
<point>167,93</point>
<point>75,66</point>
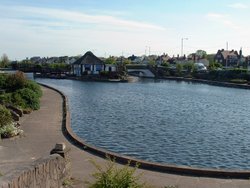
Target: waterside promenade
<point>43,128</point>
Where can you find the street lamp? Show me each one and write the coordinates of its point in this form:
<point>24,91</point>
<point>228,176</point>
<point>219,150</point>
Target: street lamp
<point>182,45</point>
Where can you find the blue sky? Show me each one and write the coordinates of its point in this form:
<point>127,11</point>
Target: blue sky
<point>59,27</point>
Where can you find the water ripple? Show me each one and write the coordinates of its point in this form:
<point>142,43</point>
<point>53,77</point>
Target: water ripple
<point>166,121</point>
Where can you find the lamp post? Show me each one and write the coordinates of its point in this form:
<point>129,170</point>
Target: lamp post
<point>182,39</point>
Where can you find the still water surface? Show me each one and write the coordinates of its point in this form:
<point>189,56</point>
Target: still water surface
<point>163,121</point>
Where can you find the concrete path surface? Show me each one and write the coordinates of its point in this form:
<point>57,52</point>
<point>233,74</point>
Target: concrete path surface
<point>42,130</point>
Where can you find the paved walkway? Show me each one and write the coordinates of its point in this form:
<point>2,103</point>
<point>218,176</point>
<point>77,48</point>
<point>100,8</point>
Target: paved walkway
<point>43,129</point>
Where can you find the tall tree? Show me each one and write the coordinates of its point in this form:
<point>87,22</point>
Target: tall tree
<point>201,53</point>
<point>110,60</point>
<point>4,61</point>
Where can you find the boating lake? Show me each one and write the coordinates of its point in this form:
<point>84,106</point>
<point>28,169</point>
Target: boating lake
<point>163,121</point>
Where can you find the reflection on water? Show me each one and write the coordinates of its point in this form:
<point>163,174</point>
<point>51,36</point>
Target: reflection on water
<point>163,121</point>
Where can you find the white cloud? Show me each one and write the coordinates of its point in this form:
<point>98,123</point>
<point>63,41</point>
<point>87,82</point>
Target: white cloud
<point>223,19</point>
<point>74,17</point>
<point>215,15</point>
<point>238,6</point>
<point>30,31</point>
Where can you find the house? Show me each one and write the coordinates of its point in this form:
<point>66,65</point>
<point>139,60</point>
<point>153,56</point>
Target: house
<point>52,60</point>
<point>247,59</point>
<point>244,62</point>
<point>63,59</point>
<point>162,59</point>
<point>35,59</point>
<point>88,64</point>
<point>227,58</point>
<point>149,59</point>
<point>135,59</point>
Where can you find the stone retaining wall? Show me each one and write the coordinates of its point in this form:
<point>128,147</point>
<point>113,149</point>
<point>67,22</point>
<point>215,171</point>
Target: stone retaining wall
<point>48,172</point>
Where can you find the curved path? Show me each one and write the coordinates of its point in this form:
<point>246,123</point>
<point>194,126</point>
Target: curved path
<point>43,128</point>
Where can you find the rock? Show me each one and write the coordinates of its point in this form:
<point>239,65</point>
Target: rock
<point>15,116</point>
<point>15,109</point>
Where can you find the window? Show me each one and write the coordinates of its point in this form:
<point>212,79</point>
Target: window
<point>98,67</point>
<point>87,67</point>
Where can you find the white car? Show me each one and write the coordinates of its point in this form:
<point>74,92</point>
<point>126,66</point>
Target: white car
<point>200,67</point>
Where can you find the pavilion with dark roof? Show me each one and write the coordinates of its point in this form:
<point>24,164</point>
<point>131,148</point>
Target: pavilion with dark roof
<point>88,64</point>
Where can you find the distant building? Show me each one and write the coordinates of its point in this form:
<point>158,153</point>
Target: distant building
<point>135,59</point>
<point>162,59</point>
<point>35,59</point>
<point>88,64</point>
<point>227,58</point>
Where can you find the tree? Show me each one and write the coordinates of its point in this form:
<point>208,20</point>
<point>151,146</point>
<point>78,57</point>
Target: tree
<point>165,64</point>
<point>189,66</point>
<point>210,58</point>
<point>4,61</point>
<point>214,65</point>
<point>201,54</point>
<point>127,62</point>
<point>152,62</point>
<point>110,60</point>
<point>179,68</point>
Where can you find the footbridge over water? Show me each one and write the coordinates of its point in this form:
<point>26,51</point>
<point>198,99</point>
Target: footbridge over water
<point>140,70</point>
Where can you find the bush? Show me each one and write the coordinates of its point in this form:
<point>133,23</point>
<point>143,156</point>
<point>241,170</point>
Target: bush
<point>26,98</point>
<point>6,98</point>
<point>24,93</point>
<point>15,81</point>
<point>5,116</point>
<point>34,87</point>
<point>179,69</point>
<point>113,177</point>
<point>7,131</point>
<point>10,130</point>
<point>3,78</point>
<point>17,100</point>
<point>7,126</point>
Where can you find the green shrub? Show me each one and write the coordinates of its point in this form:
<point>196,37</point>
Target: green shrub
<point>3,78</point>
<point>114,177</point>
<point>10,130</point>
<point>7,128</point>
<point>179,69</point>
<point>26,98</point>
<point>15,81</point>
<point>7,131</point>
<point>30,84</point>
<point>5,98</point>
<point>17,100</point>
<point>5,116</point>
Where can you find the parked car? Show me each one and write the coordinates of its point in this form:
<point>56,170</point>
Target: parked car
<point>200,67</point>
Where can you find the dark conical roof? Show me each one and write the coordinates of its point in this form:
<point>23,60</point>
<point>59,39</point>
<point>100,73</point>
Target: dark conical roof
<point>89,58</point>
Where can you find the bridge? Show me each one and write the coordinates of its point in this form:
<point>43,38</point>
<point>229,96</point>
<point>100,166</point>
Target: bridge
<point>140,71</point>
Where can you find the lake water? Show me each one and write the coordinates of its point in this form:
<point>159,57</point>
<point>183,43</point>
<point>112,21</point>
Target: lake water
<point>163,121</point>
